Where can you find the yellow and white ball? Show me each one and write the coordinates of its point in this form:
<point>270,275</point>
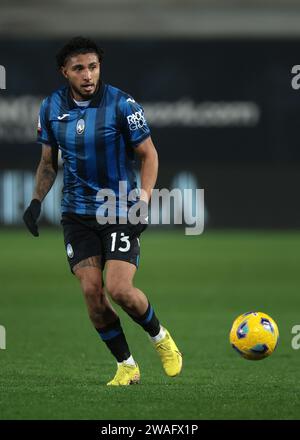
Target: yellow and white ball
<point>254,335</point>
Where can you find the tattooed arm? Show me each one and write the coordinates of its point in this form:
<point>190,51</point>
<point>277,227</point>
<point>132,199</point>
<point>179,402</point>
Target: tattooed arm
<point>44,179</point>
<point>46,172</point>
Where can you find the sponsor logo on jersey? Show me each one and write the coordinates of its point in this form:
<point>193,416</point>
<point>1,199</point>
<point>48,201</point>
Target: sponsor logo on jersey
<point>137,121</point>
<point>80,126</point>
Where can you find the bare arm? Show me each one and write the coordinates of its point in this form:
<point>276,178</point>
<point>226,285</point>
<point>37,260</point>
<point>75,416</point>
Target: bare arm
<point>46,172</point>
<point>149,167</point>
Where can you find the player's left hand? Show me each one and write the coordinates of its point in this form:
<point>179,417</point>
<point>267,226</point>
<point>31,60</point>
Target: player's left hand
<point>138,229</point>
<point>31,216</point>
<point>143,219</point>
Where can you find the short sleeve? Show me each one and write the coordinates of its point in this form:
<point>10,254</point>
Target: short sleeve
<point>133,121</point>
<point>44,132</point>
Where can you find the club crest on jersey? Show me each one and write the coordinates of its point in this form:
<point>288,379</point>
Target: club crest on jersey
<point>80,126</point>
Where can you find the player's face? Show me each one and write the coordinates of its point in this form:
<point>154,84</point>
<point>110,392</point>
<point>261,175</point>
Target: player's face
<point>83,73</point>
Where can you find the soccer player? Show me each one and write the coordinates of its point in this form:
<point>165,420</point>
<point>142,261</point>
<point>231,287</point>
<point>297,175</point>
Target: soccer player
<point>98,128</point>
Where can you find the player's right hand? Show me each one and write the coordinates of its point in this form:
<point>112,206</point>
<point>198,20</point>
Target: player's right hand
<point>31,216</point>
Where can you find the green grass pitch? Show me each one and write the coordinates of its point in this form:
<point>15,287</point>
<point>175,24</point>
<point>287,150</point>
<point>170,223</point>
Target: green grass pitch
<point>55,366</point>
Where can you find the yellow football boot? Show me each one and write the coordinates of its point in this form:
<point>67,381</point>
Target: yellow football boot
<point>126,375</point>
<point>170,355</point>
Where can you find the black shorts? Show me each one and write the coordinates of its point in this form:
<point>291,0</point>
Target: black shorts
<point>85,237</point>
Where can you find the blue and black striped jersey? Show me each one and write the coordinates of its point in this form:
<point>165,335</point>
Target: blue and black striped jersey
<point>97,143</point>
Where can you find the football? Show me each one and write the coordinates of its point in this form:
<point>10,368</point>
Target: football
<point>254,335</point>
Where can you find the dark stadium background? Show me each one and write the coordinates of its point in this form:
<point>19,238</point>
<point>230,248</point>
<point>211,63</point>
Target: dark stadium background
<point>224,117</point>
<point>246,160</point>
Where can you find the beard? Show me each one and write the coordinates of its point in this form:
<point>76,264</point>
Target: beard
<point>85,96</point>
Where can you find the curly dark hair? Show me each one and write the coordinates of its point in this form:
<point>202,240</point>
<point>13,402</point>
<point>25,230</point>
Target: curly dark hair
<point>75,46</point>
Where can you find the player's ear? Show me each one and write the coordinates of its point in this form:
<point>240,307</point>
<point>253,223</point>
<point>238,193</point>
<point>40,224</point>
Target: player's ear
<point>63,70</point>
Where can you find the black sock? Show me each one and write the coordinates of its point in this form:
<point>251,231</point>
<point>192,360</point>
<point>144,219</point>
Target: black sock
<point>114,338</point>
<point>148,321</point>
